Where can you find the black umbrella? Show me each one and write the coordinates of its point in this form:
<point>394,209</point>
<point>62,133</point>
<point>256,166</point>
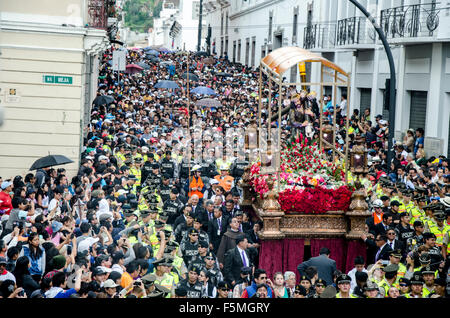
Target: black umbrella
<point>201,53</point>
<point>192,77</point>
<point>103,100</point>
<point>145,66</point>
<point>224,74</point>
<point>50,161</point>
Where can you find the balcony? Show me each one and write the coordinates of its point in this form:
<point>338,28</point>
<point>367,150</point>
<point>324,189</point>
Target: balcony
<point>320,37</point>
<point>98,14</point>
<point>413,21</point>
<point>355,31</point>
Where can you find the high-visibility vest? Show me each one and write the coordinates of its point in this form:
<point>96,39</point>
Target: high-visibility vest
<point>225,182</point>
<point>167,281</point>
<point>425,291</point>
<point>196,183</point>
<point>377,218</point>
<point>401,270</point>
<point>416,215</point>
<point>440,233</point>
<point>338,295</point>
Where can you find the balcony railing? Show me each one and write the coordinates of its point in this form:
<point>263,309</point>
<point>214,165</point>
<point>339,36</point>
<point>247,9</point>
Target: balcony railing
<point>319,36</point>
<point>419,20</point>
<point>355,30</point>
<point>98,14</point>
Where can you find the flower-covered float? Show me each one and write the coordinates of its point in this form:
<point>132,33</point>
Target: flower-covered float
<point>309,183</point>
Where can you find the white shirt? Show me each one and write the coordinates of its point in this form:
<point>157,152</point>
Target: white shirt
<point>54,203</point>
<point>245,256</point>
<point>352,273</point>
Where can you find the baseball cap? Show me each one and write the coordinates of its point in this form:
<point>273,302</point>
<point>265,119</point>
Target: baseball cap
<point>6,184</point>
<point>109,283</point>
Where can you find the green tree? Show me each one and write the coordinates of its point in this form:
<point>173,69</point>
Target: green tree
<point>139,14</point>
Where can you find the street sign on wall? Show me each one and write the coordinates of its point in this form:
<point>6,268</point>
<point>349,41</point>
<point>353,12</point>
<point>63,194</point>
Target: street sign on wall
<point>57,79</point>
<point>119,61</point>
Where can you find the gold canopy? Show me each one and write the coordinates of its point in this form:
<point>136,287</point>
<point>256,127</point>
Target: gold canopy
<point>284,58</point>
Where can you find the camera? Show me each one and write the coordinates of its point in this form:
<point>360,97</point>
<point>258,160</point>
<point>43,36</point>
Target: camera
<point>69,249</point>
<point>21,293</point>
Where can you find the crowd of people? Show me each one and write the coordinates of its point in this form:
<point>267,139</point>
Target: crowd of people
<point>154,211</point>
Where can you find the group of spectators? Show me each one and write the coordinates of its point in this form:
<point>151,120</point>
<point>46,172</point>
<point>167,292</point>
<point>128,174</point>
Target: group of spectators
<point>146,216</point>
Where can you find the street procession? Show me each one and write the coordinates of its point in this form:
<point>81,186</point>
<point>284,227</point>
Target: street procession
<point>200,176</point>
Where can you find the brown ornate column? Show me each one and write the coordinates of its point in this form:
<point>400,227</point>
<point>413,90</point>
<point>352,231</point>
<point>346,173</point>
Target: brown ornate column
<point>270,212</point>
<point>244,183</point>
<point>358,213</point>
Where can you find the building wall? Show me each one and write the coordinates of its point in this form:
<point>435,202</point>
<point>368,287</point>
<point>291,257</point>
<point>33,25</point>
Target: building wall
<point>422,64</point>
<point>44,118</point>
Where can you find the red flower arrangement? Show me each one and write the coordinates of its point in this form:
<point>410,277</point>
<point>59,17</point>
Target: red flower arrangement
<point>316,200</point>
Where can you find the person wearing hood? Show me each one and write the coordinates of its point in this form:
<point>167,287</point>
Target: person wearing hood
<point>228,240</point>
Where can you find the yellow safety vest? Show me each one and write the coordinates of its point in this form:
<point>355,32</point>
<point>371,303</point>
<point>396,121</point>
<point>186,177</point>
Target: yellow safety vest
<point>425,291</point>
<point>338,295</point>
<point>440,233</point>
<point>167,281</point>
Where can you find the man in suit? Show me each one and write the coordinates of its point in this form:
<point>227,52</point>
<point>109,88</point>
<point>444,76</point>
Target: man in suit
<point>216,228</point>
<point>235,259</point>
<point>386,224</point>
<point>393,242</point>
<point>325,266</point>
<point>206,215</point>
<point>383,248</point>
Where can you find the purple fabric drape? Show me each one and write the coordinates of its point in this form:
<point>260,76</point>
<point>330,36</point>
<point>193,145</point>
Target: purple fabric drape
<point>337,247</point>
<point>354,248</point>
<point>285,255</point>
<point>281,255</point>
<point>271,256</point>
<point>293,252</point>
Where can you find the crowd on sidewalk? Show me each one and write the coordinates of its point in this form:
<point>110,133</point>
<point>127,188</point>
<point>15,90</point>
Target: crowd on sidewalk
<point>145,217</point>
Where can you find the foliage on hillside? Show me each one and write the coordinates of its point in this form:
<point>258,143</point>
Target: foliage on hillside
<point>139,14</point>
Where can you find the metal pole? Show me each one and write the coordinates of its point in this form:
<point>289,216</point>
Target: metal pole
<point>200,25</point>
<point>393,80</point>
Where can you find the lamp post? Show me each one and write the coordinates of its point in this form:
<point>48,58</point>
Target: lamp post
<point>392,82</point>
<point>199,36</point>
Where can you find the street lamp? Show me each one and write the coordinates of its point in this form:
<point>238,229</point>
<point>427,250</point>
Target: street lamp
<point>392,82</point>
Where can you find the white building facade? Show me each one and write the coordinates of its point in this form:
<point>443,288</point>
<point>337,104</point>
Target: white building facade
<point>186,14</point>
<point>48,78</point>
<point>418,33</point>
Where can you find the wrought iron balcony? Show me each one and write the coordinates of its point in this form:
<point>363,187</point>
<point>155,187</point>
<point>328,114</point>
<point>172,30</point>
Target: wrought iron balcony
<point>98,14</point>
<point>355,30</point>
<point>419,20</point>
<point>319,36</point>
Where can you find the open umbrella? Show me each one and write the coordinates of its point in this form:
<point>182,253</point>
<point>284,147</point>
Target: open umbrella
<point>166,84</point>
<point>209,60</point>
<point>181,53</point>
<point>152,52</point>
<point>163,50</point>
<point>192,77</point>
<point>50,161</point>
<point>201,53</point>
<point>209,102</point>
<point>164,63</point>
<point>103,100</point>
<point>224,74</point>
<point>133,68</point>
<point>152,59</point>
<point>203,90</point>
<point>145,66</point>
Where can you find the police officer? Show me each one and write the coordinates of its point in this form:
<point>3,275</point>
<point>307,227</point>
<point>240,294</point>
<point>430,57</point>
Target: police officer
<point>199,259</point>
<point>390,277</point>
<point>191,283</point>
<point>434,251</point>
<point>414,242</point>
<point>238,166</point>
<point>189,248</point>
<point>165,188</point>
<point>168,165</point>
<point>416,286</point>
<point>404,229</point>
<point>428,275</point>
<point>394,258</point>
<point>372,290</point>
<point>162,278</point>
<point>147,168</point>
<point>173,206</point>
<point>154,176</point>
<point>441,229</point>
<point>343,284</point>
<point>215,275</point>
<point>184,169</point>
